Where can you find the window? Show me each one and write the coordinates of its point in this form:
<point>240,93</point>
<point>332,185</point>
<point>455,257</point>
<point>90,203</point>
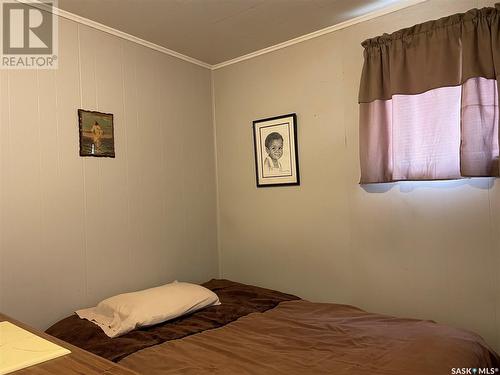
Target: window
<point>429,100</point>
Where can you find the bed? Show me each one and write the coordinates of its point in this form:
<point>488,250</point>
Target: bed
<point>262,331</point>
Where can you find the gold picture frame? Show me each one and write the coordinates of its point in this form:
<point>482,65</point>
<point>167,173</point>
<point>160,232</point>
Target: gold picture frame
<point>97,136</point>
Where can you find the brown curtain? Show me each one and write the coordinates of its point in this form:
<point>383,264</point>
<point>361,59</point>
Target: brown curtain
<point>429,100</point>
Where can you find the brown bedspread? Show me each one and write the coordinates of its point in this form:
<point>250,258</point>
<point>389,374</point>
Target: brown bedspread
<point>237,300</point>
<point>301,337</point>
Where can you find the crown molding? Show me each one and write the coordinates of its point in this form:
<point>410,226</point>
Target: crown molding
<point>378,13</point>
<point>109,30</point>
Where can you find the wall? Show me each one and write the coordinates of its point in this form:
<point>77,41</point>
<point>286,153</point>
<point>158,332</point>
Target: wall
<point>424,250</point>
<point>76,230</point>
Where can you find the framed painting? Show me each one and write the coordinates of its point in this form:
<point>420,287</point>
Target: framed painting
<point>96,134</point>
<point>276,151</point>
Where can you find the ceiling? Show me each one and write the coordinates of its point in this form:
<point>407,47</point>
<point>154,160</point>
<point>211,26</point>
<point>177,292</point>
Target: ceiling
<point>214,31</point>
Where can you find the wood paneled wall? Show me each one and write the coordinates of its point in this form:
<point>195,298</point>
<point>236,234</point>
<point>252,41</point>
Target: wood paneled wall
<point>75,230</point>
<point>429,250</point>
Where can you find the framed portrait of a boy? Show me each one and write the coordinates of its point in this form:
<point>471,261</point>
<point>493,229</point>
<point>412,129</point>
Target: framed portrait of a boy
<point>276,151</point>
<point>97,136</point>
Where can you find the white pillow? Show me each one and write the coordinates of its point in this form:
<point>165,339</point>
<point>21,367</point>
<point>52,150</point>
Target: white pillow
<point>125,312</point>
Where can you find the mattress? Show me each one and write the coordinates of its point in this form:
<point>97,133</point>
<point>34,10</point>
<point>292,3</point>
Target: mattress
<point>261,331</point>
<point>236,299</point>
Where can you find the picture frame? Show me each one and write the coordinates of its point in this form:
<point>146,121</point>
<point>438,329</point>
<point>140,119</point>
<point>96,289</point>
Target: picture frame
<point>276,151</point>
<point>97,137</point>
